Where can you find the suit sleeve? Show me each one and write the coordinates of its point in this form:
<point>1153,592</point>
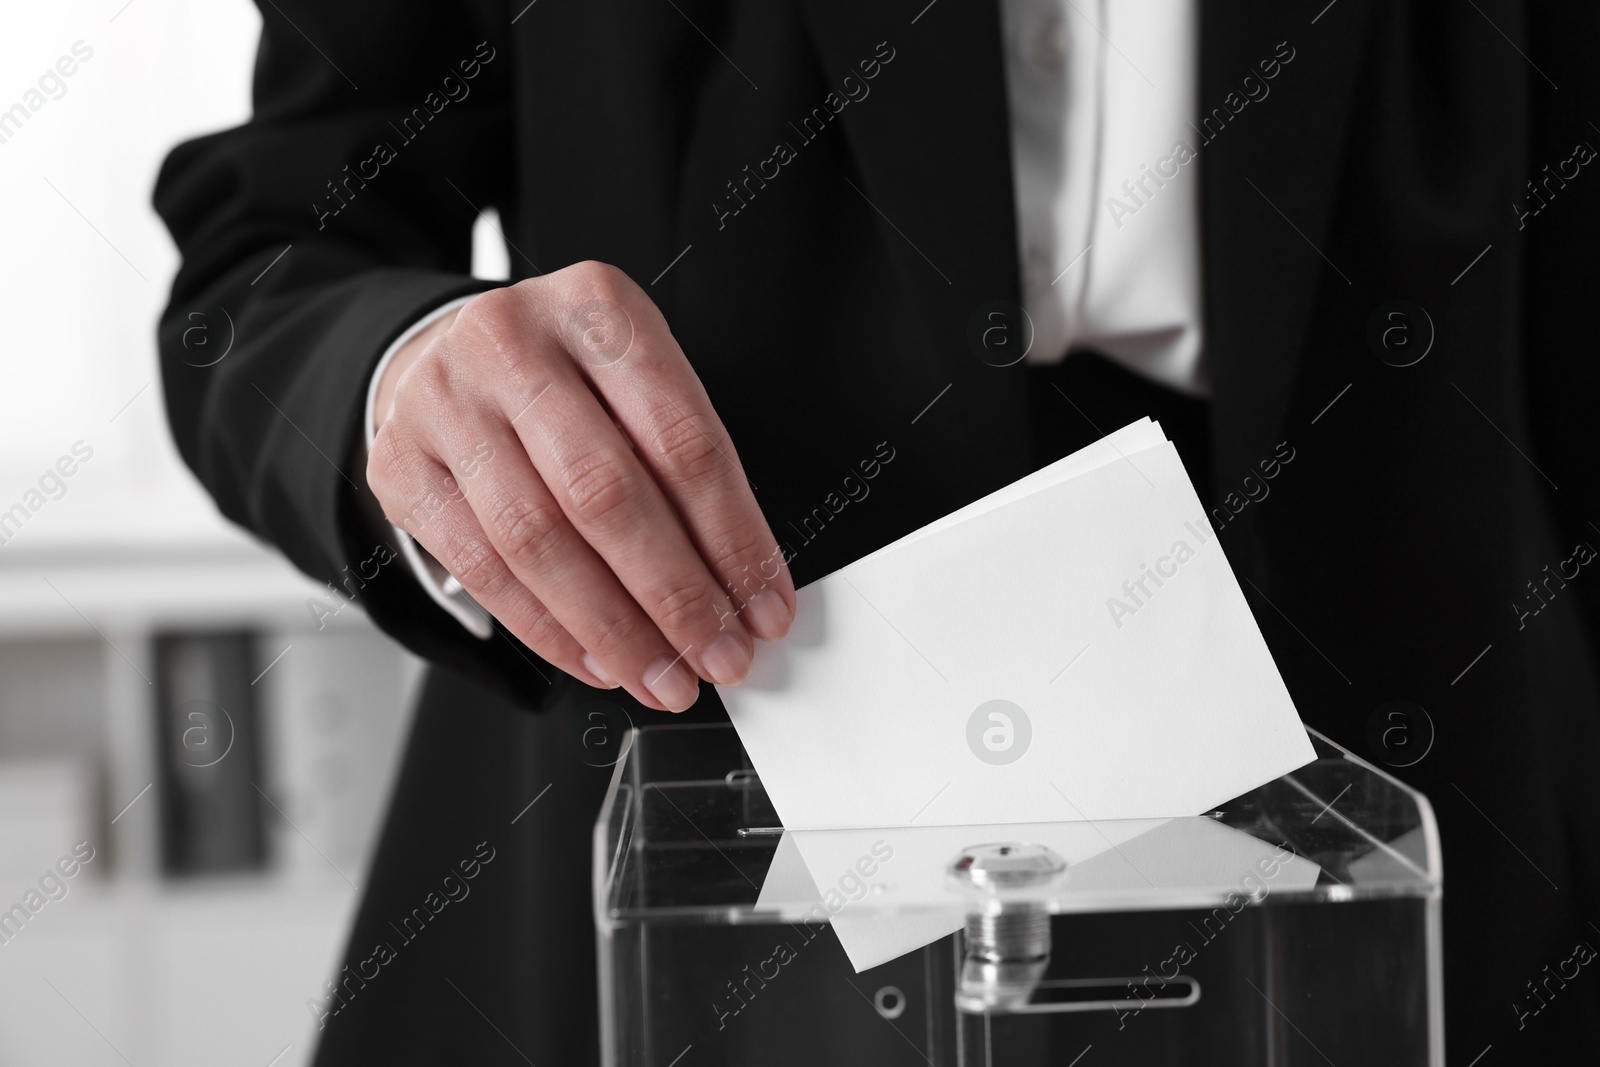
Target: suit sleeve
<point>311,237</point>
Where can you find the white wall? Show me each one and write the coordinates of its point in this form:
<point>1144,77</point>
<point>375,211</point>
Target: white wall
<point>84,262</point>
<point>130,967</point>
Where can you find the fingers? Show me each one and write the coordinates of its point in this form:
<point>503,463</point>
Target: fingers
<point>572,475</point>
<point>545,553</point>
<point>625,351</point>
<point>439,517</point>
<point>613,503</point>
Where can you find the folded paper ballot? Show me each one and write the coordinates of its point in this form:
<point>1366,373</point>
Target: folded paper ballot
<point>1068,661</point>
<point>899,899</point>
<point>1072,647</point>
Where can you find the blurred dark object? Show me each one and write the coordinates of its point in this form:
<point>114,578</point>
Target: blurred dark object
<point>207,734</point>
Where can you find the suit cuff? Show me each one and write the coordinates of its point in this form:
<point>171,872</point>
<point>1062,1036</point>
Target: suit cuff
<point>439,583</point>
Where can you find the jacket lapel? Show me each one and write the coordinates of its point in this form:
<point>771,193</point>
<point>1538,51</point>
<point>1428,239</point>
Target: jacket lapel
<point>932,152</point>
<point>932,145</point>
<point>1272,170</point>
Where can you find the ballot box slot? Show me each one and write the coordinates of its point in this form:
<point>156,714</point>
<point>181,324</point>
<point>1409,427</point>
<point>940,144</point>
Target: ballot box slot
<point>1111,994</point>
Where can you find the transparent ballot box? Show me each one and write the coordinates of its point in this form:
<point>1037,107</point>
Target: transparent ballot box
<point>1298,924</point>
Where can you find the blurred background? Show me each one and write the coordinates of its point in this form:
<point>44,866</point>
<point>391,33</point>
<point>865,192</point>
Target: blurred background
<point>216,733</point>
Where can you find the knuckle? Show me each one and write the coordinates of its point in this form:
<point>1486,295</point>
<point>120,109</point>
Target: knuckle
<point>740,549</point>
<point>615,637</point>
<point>487,312</point>
<point>681,607</point>
<point>597,279</point>
<point>425,382</point>
<point>539,630</point>
<point>600,490</point>
<point>686,450</point>
<point>491,325</point>
<point>526,531</point>
<point>476,565</point>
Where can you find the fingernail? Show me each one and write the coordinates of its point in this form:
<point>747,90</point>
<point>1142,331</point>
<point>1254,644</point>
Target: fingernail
<point>767,615</point>
<point>592,665</point>
<point>672,683</point>
<point>726,660</point>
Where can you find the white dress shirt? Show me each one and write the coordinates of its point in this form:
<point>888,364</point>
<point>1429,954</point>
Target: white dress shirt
<point>1102,96</point>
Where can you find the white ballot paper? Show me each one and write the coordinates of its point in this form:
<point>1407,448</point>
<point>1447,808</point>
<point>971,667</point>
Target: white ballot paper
<point>905,902</point>
<point>1071,647</point>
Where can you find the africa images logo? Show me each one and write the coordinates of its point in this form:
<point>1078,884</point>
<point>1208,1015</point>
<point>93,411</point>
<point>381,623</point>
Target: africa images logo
<point>999,732</point>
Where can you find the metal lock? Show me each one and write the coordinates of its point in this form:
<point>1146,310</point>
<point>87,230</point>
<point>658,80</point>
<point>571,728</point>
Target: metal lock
<point>1008,924</point>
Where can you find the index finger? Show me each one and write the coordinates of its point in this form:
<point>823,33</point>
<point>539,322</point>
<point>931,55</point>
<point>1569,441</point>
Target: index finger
<point>625,349</point>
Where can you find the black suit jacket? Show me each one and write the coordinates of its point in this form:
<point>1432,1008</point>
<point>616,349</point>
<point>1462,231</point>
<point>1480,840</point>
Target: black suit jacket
<point>828,290</point>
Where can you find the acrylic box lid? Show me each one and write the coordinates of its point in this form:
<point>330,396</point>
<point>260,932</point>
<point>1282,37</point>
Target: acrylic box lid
<point>687,835</point>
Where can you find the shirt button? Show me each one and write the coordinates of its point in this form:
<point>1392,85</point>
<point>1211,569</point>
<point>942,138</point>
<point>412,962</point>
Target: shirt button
<point>1045,49</point>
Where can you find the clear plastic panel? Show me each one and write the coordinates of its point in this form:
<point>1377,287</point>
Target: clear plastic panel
<point>1296,924</point>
